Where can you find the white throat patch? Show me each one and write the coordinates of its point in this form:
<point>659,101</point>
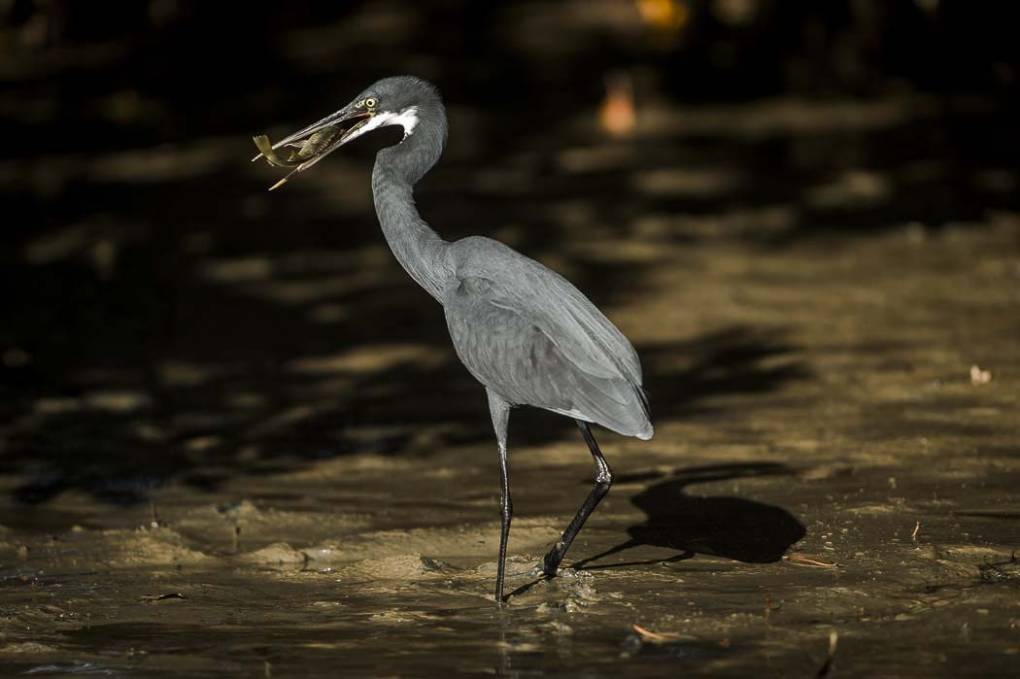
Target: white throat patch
<point>407,119</point>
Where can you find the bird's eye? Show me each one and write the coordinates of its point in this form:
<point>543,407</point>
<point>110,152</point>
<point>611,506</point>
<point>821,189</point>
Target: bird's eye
<point>371,102</point>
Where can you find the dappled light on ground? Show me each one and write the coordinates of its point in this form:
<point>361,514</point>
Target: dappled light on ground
<point>234,437</point>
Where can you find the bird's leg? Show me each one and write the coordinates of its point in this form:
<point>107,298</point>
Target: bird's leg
<point>500,411</point>
<point>603,480</point>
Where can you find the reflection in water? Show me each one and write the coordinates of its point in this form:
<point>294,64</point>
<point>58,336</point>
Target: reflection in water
<point>729,527</point>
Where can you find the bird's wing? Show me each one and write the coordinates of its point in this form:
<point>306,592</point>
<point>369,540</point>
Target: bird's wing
<point>542,296</point>
<point>526,332</point>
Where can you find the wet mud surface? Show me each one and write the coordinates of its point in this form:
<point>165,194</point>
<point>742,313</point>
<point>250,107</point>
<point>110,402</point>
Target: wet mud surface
<point>235,439</point>
<point>823,463</point>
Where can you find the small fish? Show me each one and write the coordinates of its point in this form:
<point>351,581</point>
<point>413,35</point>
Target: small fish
<point>267,151</point>
<point>318,142</point>
<point>299,155</point>
<point>295,153</point>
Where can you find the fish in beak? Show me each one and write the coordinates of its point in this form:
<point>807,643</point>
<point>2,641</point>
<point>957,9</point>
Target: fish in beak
<point>307,147</point>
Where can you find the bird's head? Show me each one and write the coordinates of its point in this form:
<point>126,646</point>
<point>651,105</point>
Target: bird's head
<point>399,100</point>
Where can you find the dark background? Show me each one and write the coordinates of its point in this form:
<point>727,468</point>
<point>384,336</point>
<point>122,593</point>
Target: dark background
<point>125,183</point>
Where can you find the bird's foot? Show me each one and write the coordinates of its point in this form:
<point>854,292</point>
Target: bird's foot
<point>552,560</point>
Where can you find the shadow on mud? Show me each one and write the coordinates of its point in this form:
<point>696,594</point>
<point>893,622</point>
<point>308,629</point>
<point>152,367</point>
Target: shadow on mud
<point>728,527</point>
<point>119,457</point>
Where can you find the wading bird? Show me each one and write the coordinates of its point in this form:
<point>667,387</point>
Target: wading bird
<point>522,330</point>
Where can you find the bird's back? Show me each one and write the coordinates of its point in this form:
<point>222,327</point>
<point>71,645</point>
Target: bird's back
<point>528,334</point>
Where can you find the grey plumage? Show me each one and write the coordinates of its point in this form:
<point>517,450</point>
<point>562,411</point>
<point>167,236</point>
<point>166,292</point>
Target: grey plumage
<point>530,336</point>
<point>523,331</point>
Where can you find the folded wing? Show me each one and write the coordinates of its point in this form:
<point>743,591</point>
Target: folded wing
<point>531,336</point>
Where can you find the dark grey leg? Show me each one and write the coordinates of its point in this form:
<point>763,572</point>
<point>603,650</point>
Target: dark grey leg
<point>500,411</point>
<point>603,480</point>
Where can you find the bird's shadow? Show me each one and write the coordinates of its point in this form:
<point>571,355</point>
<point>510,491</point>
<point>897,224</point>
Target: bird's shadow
<point>728,527</point>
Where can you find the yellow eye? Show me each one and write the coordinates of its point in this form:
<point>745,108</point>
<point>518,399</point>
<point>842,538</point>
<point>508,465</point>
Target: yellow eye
<point>371,102</point>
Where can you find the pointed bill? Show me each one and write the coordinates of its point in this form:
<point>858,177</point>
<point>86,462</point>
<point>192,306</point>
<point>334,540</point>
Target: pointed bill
<point>305,148</point>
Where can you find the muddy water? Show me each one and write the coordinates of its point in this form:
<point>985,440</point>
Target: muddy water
<point>859,483</point>
<point>264,460</point>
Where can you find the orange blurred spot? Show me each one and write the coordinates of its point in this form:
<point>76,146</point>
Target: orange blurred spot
<point>617,115</point>
<point>664,14</point>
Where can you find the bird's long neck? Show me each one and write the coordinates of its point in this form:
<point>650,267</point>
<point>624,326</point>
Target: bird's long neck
<point>418,248</point>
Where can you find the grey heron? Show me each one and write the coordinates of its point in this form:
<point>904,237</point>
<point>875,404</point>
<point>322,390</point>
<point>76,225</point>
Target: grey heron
<point>522,330</point>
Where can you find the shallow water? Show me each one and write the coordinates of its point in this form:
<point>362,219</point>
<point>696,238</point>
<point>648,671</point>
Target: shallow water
<point>843,475</point>
<point>231,446</point>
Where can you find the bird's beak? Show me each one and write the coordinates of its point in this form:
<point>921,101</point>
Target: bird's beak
<point>306,147</point>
